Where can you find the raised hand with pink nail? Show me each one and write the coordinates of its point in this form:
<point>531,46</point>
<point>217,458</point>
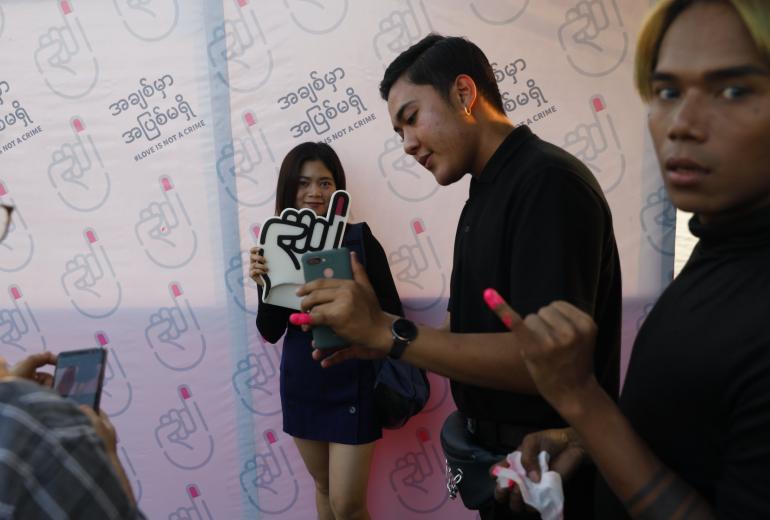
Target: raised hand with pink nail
<point>89,280</point>
<point>64,56</point>
<point>238,50</point>
<point>405,177</point>
<point>148,20</point>
<point>117,392</point>
<point>255,382</point>
<point>417,264</point>
<point>286,238</point>
<point>593,37</point>
<point>418,479</point>
<point>268,481</point>
<point>183,435</point>
<point>165,231</point>
<point>77,173</point>
<point>18,326</point>
<point>197,510</point>
<point>243,168</point>
<point>596,143</point>
<point>174,334</point>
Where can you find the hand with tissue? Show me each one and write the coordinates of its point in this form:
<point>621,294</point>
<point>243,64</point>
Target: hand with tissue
<point>544,494</point>
<point>566,454</point>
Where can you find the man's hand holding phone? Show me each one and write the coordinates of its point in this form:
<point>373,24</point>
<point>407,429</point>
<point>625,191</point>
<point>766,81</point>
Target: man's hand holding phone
<point>80,375</point>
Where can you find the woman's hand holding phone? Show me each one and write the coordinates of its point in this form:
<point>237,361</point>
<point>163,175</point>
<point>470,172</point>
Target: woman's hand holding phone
<point>257,265</point>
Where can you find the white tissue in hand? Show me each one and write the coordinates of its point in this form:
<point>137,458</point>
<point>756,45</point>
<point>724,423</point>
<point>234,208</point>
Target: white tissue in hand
<point>546,496</point>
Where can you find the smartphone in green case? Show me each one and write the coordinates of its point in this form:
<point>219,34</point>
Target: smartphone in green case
<point>329,263</point>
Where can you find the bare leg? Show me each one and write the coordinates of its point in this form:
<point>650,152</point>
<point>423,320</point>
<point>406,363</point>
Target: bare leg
<point>315,454</point>
<point>349,478</point>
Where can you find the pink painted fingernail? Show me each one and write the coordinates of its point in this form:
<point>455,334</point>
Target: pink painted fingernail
<point>496,470</point>
<point>78,125</point>
<point>91,236</point>
<point>423,435</point>
<point>166,183</point>
<point>493,299</point>
<point>192,490</point>
<point>242,3</point>
<point>66,8</point>
<point>3,191</point>
<point>340,207</point>
<point>101,337</point>
<point>299,318</point>
<point>15,292</point>
<point>176,290</point>
<point>270,436</point>
<point>598,103</point>
<point>249,118</point>
<point>184,391</point>
<point>418,226</point>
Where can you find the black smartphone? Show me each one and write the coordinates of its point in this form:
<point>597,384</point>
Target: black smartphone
<point>329,263</point>
<point>79,375</point>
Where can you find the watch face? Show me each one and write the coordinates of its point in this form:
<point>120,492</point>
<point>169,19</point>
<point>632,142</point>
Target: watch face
<point>405,329</point>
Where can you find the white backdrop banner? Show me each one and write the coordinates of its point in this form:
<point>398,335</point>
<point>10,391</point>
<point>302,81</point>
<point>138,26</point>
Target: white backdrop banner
<point>140,142</point>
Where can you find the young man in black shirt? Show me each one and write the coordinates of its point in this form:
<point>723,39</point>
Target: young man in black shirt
<point>690,437</point>
<point>535,224</point>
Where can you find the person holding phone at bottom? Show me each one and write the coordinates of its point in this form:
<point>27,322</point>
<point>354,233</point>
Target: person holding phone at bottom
<point>57,460</point>
<point>329,413</point>
<point>690,437</point>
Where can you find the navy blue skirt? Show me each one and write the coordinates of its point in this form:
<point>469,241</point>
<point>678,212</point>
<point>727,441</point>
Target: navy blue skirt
<point>334,404</point>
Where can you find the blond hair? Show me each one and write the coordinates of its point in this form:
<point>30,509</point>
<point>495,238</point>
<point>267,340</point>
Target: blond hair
<point>754,13</point>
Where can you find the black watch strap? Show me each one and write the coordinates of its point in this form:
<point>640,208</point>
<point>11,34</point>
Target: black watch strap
<point>404,332</point>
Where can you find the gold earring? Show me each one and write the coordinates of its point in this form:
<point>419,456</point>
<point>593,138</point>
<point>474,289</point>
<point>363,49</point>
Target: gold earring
<point>467,111</point>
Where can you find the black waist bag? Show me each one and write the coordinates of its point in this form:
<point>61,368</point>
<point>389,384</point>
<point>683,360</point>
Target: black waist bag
<point>467,464</point>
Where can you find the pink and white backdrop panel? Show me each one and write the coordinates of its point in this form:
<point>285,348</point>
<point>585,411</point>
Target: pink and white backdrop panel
<point>140,142</point>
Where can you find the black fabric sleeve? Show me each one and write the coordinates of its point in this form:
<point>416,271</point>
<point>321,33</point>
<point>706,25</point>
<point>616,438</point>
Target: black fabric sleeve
<point>272,320</point>
<point>559,257</point>
<point>378,270</point>
<point>744,477</point>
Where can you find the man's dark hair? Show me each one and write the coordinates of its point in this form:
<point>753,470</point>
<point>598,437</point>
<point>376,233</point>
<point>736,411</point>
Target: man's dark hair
<point>437,60</point>
<point>291,167</point>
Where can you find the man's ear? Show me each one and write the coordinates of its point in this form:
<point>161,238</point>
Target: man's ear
<point>465,92</point>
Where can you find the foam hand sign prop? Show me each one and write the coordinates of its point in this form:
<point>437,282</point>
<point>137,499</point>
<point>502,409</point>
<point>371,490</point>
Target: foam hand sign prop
<point>286,238</point>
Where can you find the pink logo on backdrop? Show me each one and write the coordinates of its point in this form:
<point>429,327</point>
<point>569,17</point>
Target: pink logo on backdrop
<point>593,37</point>
<point>136,484</point>
<point>17,247</point>
<point>406,178</point>
<point>596,143</point>
<point>495,12</point>
<point>400,29</point>
<point>659,222</point>
<point>174,334</point>
<point>268,481</point>
<point>64,56</point>
<point>18,326</point>
<point>243,167</point>
<point>117,393</point>
<point>148,20</point>
<point>183,434</point>
<point>255,380</point>
<point>89,280</point>
<point>77,172</point>
<point>238,50</point>
<point>197,508</point>
<point>239,283</point>
<point>416,263</point>
<point>165,231</point>
<point>317,18</point>
<point>418,477</point>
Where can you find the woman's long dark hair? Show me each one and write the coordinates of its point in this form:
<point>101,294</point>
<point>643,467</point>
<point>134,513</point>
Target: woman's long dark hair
<point>288,178</point>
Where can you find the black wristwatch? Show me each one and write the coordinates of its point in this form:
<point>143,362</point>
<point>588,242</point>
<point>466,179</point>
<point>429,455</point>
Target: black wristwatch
<point>404,332</point>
